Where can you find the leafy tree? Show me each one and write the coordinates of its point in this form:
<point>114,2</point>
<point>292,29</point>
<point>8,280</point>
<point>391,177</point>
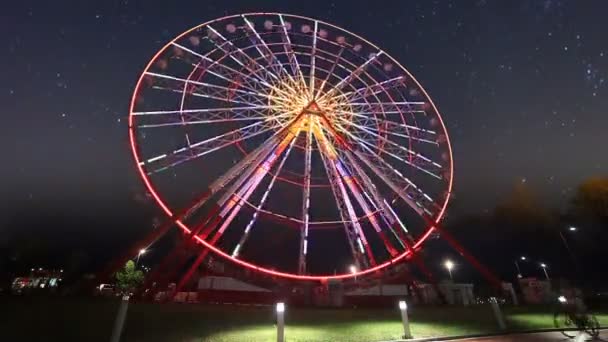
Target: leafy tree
<point>591,198</point>
<point>129,278</point>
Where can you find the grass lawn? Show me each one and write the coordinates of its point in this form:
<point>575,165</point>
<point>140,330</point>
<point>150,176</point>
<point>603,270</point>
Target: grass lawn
<point>56,319</point>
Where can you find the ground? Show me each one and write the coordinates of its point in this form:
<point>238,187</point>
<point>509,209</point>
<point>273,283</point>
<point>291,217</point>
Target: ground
<point>536,337</point>
<point>58,319</point>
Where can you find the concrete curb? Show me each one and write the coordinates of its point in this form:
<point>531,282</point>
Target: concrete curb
<point>504,333</point>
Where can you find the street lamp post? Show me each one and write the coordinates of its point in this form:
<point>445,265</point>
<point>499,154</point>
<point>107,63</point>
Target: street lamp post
<point>518,270</point>
<point>544,267</point>
<point>519,274</point>
<point>141,252</point>
<point>567,246</point>
<point>449,265</point>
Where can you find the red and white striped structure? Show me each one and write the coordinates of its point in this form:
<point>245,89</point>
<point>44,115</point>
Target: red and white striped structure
<point>268,117</point>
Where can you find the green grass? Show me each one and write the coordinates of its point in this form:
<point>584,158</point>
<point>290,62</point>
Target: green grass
<point>49,319</point>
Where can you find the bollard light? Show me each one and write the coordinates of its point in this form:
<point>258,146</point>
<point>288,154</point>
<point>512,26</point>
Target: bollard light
<point>280,322</point>
<point>407,333</point>
<point>402,305</point>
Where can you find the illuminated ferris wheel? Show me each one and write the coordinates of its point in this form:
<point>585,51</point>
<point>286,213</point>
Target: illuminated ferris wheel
<point>290,146</point>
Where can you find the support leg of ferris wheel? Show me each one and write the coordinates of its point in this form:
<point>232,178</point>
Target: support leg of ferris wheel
<point>349,228</point>
<point>395,225</point>
<point>485,272</point>
<point>490,277</point>
<point>356,191</point>
<point>389,215</point>
<point>353,229</point>
<point>156,234</point>
<point>256,212</point>
<point>254,159</point>
<point>241,197</point>
<point>211,221</point>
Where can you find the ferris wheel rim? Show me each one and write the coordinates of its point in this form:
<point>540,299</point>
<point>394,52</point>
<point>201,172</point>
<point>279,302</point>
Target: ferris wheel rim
<point>431,227</point>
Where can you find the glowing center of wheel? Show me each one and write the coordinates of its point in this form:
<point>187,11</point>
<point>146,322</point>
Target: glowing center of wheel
<point>289,100</point>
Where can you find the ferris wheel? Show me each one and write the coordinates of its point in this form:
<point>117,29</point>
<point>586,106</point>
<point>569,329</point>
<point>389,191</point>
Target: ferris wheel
<point>290,146</point>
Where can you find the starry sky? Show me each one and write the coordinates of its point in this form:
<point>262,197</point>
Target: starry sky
<point>521,86</point>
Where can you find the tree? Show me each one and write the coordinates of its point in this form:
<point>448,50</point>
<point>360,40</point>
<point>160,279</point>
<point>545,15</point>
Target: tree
<point>129,278</point>
<point>591,198</point>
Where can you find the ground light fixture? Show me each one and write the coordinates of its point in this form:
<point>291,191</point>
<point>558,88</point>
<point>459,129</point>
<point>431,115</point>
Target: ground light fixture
<point>407,333</point>
<point>280,321</point>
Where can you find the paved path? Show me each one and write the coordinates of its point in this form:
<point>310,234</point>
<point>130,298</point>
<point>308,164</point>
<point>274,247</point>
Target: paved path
<point>535,337</point>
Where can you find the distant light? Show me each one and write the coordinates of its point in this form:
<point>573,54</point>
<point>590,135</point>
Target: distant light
<point>543,265</point>
<point>572,228</point>
<point>280,307</point>
<point>402,305</point>
<point>562,299</point>
<point>523,258</point>
<point>142,251</point>
<point>33,269</point>
<point>353,269</point>
<point>449,264</point>
<point>40,269</point>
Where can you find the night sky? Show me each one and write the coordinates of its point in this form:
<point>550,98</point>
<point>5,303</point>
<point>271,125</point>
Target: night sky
<point>520,84</point>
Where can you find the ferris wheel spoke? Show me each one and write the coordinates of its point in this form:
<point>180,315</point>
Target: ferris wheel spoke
<point>394,128</point>
<point>206,146</point>
<point>401,185</point>
<point>397,182</point>
<point>371,215</point>
<point>293,60</point>
<point>201,118</point>
<point>391,219</point>
<point>411,158</point>
<point>271,59</point>
<point>224,72</point>
<point>232,207</point>
<point>352,226</point>
<point>260,205</point>
<point>212,90</point>
<point>329,73</point>
<point>391,107</point>
<point>193,111</point>
<point>305,201</point>
<point>233,172</point>
<point>353,75</point>
<point>311,79</point>
<point>248,58</point>
<point>374,89</point>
